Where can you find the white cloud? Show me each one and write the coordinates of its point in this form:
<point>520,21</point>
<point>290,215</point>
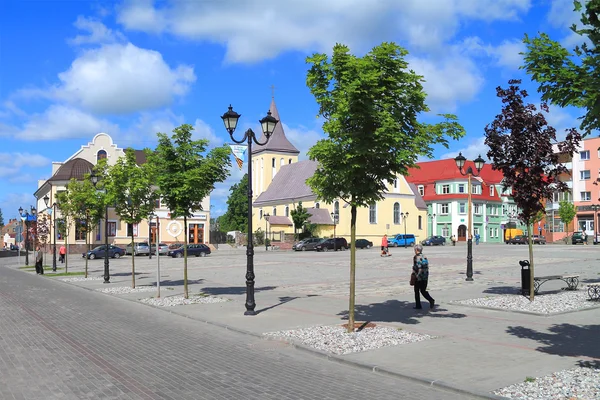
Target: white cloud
<point>97,32</point>
<point>476,147</point>
<point>505,55</point>
<point>302,138</point>
<point>204,131</point>
<point>10,203</point>
<point>19,160</point>
<point>59,122</point>
<point>562,16</point>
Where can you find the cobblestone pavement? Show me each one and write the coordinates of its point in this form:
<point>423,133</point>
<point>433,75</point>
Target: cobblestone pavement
<point>62,342</point>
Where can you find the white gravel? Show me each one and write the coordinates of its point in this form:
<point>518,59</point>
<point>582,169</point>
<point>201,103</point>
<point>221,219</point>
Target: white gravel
<point>171,301</point>
<point>128,289</point>
<point>81,279</point>
<point>578,383</point>
<point>542,303</point>
<point>336,340</point>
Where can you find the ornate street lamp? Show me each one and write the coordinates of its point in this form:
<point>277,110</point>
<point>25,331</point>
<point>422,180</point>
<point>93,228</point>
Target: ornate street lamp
<point>94,178</point>
<point>431,218</point>
<point>266,216</point>
<point>150,216</point>
<point>268,123</point>
<point>334,217</point>
<point>460,163</point>
<point>27,218</point>
<point>404,216</point>
<point>53,224</point>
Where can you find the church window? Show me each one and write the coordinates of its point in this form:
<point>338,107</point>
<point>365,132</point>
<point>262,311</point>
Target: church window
<point>290,161</point>
<point>420,222</point>
<point>336,211</point>
<point>373,214</point>
<point>101,155</point>
<point>287,211</point>
<point>281,163</point>
<point>260,214</point>
<point>396,213</point>
<point>317,205</point>
<point>274,211</point>
<point>274,168</point>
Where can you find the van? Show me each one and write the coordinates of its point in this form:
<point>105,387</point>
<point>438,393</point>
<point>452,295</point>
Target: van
<point>511,233</point>
<point>402,240</point>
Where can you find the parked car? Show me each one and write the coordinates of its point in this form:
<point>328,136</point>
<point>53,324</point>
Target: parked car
<point>519,239</point>
<point>539,239</point>
<point>197,250</point>
<point>363,244</point>
<point>577,237</point>
<point>307,244</point>
<point>163,249</point>
<point>400,239</point>
<point>100,252</point>
<point>140,249</point>
<point>332,244</point>
<point>434,241</point>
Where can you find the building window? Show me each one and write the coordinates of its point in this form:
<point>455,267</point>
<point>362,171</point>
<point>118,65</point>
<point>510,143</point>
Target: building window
<point>287,211</point>
<point>372,214</point>
<point>290,161</point>
<point>495,232</point>
<point>462,208</point>
<point>80,230</point>
<point>445,232</point>
<point>477,208</point>
<point>281,163</point>
<point>491,190</point>
<point>492,232</point>
<point>396,213</point>
<point>586,196</point>
<point>444,208</point>
<point>101,155</point>
<point>475,231</point>
<point>112,228</point>
<point>445,189</point>
<point>461,188</point>
<point>273,168</point>
<point>317,205</point>
<point>274,211</point>
<point>421,190</point>
<point>475,189</point>
<point>132,229</point>
<point>420,222</point>
<point>584,175</point>
<point>584,155</point>
<point>260,214</point>
<point>336,210</point>
<point>395,183</point>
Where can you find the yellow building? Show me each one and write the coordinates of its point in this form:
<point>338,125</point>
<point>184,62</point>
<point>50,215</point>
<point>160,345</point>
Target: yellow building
<point>279,185</point>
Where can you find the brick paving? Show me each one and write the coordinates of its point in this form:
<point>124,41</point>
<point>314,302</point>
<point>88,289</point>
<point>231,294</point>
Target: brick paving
<point>58,341</point>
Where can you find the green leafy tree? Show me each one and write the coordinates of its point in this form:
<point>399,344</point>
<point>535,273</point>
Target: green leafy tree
<point>570,78</point>
<point>43,230</point>
<point>521,147</point>
<point>130,187</point>
<point>236,216</point>
<point>299,217</point>
<point>371,106</point>
<point>1,219</point>
<point>566,212</point>
<point>186,174</point>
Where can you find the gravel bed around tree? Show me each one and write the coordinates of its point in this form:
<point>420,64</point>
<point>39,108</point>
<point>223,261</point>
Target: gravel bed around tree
<point>82,279</point>
<point>578,383</point>
<point>179,300</point>
<point>127,289</point>
<point>568,300</point>
<point>336,340</point>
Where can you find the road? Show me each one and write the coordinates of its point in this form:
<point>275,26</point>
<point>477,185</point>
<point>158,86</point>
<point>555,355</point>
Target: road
<point>58,341</point>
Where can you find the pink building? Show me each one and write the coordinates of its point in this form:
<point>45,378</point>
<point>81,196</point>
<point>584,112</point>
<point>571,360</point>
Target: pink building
<point>586,186</point>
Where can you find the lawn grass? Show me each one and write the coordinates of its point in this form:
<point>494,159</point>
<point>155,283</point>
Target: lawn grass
<point>67,274</point>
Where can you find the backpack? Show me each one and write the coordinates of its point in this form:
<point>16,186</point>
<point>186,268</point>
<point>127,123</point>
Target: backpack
<point>423,268</point>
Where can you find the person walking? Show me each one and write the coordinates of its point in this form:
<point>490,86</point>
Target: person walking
<point>421,270</point>
<point>453,240</point>
<point>61,252</point>
<point>384,246</point>
<point>477,237</point>
<point>39,265</point>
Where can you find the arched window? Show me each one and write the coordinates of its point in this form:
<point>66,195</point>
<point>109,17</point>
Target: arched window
<point>281,163</point>
<point>260,214</point>
<point>373,214</point>
<point>336,210</point>
<point>274,167</point>
<point>317,205</point>
<point>101,155</point>
<point>396,213</point>
<point>274,211</point>
<point>290,161</point>
<point>420,222</point>
<point>287,211</point>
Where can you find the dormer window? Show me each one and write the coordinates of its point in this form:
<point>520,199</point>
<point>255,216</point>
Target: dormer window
<point>491,190</point>
<point>101,155</point>
<point>421,189</point>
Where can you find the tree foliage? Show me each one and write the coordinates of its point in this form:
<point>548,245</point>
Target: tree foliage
<point>371,106</point>
<point>570,78</point>
<point>567,212</point>
<point>521,147</point>
<point>236,216</point>
<point>129,187</point>
<point>186,174</point>
<point>299,217</point>
<point>1,219</point>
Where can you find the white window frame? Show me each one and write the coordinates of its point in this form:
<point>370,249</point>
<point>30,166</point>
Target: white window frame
<point>287,210</point>
<point>586,196</point>
<point>421,190</point>
<point>477,208</point>
<point>461,188</point>
<point>584,155</point>
<point>495,232</point>
<point>396,213</point>
<point>373,214</point>
<point>274,211</point>
<point>445,189</point>
<point>475,230</point>
<point>462,208</point>
<point>582,175</point>
<point>446,206</point>
<point>445,232</point>
<point>491,190</point>
<point>492,232</point>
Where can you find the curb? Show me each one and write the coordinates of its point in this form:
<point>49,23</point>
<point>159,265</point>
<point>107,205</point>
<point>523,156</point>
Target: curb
<point>329,357</point>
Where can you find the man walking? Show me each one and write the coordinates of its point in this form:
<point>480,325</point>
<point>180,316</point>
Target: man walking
<point>39,262</point>
<point>421,270</point>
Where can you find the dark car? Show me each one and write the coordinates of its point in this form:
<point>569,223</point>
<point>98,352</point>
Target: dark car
<point>307,244</point>
<point>538,239</point>
<point>434,241</point>
<point>578,237</point>
<point>100,252</point>
<point>363,244</point>
<point>198,250</point>
<point>332,244</point>
<point>519,239</point>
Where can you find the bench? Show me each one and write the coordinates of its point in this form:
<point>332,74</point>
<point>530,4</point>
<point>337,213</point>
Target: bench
<point>594,290</point>
<point>571,280</point>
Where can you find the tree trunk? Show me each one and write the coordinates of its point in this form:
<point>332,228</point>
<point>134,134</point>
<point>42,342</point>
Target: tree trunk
<point>352,268</point>
<point>185,243</point>
<point>132,260</point>
<point>531,275</point>
<point>66,255</point>
<point>87,246</point>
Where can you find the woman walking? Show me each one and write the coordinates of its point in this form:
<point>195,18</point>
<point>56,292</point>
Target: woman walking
<point>421,271</point>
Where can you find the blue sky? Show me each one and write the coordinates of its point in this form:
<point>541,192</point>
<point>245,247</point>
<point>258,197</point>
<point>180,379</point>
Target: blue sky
<point>71,69</point>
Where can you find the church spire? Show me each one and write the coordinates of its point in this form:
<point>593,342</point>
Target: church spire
<point>278,141</point>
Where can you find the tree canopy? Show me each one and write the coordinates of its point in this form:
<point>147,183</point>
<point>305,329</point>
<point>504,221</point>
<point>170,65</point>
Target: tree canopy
<point>299,216</point>
<point>566,212</point>
<point>568,78</point>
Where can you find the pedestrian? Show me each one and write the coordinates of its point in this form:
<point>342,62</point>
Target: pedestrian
<point>453,240</point>
<point>39,258</point>
<point>61,252</point>
<point>421,271</point>
<point>477,237</point>
<point>384,246</point>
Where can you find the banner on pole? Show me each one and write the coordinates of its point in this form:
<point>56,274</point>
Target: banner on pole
<point>239,152</point>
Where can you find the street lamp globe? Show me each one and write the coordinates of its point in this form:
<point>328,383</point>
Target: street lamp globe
<point>33,210</point>
<point>460,161</point>
<point>478,163</point>
<point>268,124</point>
<point>230,119</point>
<point>21,211</point>
<point>94,179</point>
<point>46,200</point>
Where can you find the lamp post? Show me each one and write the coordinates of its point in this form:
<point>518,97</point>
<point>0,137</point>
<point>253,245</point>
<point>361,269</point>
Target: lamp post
<point>334,217</point>
<point>460,163</point>
<point>53,224</point>
<point>267,216</point>
<point>94,179</point>
<point>27,217</point>
<point>595,208</point>
<point>268,123</point>
<point>150,235</point>
<point>431,218</point>
<point>404,216</point>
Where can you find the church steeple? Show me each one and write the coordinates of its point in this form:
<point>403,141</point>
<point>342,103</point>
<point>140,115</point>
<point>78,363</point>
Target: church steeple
<point>278,142</point>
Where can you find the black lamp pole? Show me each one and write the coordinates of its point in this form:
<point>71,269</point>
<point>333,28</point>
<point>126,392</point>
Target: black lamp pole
<point>404,216</point>
<point>94,179</point>
<point>268,123</point>
<point>460,163</point>
<point>266,216</point>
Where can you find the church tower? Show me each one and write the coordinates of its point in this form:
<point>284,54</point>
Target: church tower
<point>267,160</point>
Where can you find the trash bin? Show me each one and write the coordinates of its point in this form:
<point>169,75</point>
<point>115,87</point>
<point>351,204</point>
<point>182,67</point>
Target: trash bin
<point>525,277</point>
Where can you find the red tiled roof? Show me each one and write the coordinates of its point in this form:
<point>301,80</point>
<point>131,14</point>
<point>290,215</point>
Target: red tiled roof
<point>441,170</point>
